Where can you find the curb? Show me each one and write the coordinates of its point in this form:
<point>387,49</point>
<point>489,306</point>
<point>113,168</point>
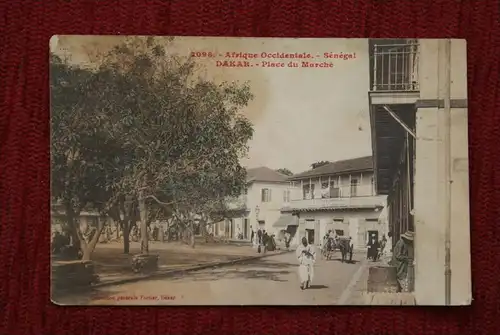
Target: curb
<point>197,267</point>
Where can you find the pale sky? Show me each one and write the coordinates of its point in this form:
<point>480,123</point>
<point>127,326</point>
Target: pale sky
<point>300,115</point>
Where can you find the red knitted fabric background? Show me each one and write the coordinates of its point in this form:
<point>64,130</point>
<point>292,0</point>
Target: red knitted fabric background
<point>25,29</point>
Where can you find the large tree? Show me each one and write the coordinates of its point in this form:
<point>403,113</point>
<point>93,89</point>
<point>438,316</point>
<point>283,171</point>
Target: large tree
<point>169,138</point>
<point>81,149</point>
<point>187,133</point>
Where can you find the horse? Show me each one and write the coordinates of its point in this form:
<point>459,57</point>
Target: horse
<point>345,247</point>
<point>329,248</point>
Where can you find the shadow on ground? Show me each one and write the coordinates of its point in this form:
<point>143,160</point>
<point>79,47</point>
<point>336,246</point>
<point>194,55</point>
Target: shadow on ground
<point>260,269</point>
<point>114,262</point>
<point>317,287</point>
<point>346,261</point>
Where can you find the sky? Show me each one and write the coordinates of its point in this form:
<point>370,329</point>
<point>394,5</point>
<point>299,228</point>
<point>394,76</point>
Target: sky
<point>300,115</point>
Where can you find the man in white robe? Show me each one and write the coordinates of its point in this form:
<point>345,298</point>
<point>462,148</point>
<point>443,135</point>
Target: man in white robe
<point>306,255</point>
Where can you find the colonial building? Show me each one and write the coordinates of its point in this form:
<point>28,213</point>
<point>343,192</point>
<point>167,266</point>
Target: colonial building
<point>418,116</point>
<point>337,196</point>
<point>259,207</point>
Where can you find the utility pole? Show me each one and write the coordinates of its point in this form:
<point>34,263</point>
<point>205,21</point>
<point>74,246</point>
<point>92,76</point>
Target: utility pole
<point>447,157</point>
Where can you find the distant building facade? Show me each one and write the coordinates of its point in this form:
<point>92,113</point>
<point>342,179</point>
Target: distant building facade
<point>338,196</point>
<point>259,207</point>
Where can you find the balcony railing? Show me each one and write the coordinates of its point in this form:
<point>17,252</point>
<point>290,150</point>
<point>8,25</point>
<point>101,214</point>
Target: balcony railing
<point>395,67</point>
<point>338,203</point>
<point>344,191</point>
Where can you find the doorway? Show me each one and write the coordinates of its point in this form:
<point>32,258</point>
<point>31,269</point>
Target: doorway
<point>245,229</point>
<point>372,235</point>
<point>262,225</point>
<point>310,235</point>
<point>339,232</point>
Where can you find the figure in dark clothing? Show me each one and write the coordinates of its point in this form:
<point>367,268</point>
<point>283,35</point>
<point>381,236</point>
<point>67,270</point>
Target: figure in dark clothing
<point>402,257</point>
<point>265,240</point>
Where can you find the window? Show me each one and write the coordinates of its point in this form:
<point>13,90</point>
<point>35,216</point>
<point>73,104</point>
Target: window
<point>308,191</point>
<point>266,195</point>
<point>286,196</point>
<point>338,220</point>
<point>339,232</point>
<point>334,189</point>
<point>325,190</point>
<point>354,187</point>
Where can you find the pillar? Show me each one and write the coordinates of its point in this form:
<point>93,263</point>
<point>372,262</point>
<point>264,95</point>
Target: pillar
<point>431,178</point>
<point>354,230</point>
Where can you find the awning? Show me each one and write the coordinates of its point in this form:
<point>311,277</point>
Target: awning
<point>388,137</point>
<point>284,221</point>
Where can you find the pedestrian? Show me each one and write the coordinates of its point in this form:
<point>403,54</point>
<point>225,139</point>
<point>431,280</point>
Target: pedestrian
<point>383,243</point>
<point>402,257</point>
<point>306,255</point>
<point>287,240</point>
<point>265,240</point>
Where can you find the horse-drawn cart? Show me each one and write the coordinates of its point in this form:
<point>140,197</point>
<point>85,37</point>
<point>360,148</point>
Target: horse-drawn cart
<point>341,243</point>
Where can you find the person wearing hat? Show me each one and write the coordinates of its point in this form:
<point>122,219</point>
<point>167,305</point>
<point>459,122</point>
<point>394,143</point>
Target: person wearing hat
<point>402,258</point>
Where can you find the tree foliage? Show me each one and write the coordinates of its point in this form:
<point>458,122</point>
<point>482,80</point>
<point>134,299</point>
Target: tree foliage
<point>285,171</point>
<point>141,124</point>
<point>318,164</point>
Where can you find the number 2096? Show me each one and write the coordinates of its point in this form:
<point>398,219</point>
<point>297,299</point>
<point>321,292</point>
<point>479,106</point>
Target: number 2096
<point>203,54</point>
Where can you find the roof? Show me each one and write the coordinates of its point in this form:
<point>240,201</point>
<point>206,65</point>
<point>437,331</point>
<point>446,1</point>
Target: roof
<point>265,174</point>
<point>338,167</point>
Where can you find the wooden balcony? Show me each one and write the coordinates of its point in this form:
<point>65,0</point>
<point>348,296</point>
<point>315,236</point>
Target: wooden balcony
<point>360,202</point>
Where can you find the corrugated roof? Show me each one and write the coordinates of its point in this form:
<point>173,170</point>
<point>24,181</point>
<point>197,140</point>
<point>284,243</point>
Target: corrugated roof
<point>344,166</point>
<point>265,174</point>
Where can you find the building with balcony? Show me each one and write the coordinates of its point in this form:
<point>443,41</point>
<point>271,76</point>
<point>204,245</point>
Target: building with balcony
<point>338,196</point>
<point>259,207</point>
<point>418,116</point>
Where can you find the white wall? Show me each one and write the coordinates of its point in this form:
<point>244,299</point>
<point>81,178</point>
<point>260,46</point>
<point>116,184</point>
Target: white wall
<point>354,224</point>
<point>268,211</point>
<point>430,181</point>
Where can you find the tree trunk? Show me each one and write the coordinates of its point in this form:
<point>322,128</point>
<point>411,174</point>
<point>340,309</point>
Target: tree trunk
<point>191,235</point>
<point>126,235</point>
<point>90,247</point>
<point>161,233</point>
<point>72,227</point>
<point>117,230</point>
<point>144,226</point>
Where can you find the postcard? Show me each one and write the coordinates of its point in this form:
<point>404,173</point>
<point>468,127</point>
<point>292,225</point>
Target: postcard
<point>259,171</point>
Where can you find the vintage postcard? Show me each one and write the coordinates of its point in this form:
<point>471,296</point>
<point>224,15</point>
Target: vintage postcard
<point>259,171</point>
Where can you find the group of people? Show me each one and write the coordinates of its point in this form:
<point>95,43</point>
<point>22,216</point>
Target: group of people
<point>402,258</point>
<point>262,241</point>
